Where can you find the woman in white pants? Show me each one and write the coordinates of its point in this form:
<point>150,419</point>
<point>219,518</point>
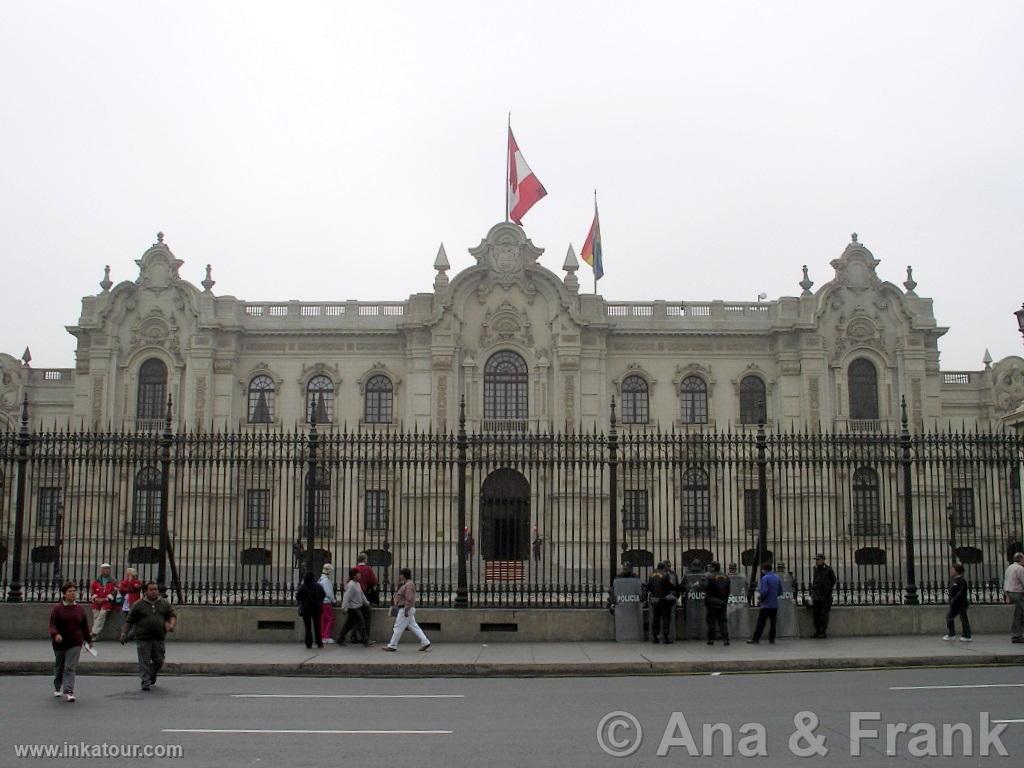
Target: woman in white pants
<point>404,611</point>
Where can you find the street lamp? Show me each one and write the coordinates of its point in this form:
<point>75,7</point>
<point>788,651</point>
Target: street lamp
<point>1020,319</point>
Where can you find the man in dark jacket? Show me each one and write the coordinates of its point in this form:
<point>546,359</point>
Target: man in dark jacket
<point>716,603</point>
<point>823,582</point>
<point>959,594</point>
<point>662,594</point>
<point>310,597</point>
<point>68,632</point>
<point>152,618</point>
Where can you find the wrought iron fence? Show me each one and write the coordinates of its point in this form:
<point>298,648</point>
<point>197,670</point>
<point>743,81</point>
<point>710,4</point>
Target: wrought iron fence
<point>506,518</point>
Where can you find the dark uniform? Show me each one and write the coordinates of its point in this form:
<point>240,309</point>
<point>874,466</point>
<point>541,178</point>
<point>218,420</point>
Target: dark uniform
<point>823,581</point>
<point>662,593</point>
<point>716,604</point>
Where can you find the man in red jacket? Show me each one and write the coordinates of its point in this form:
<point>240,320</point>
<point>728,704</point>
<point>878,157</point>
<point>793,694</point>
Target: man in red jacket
<point>104,593</point>
<point>68,630</point>
<point>367,579</point>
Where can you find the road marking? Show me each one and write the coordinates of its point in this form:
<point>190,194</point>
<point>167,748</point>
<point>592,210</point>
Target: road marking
<point>348,696</point>
<point>715,674</point>
<point>1008,721</point>
<point>947,687</point>
<point>305,731</point>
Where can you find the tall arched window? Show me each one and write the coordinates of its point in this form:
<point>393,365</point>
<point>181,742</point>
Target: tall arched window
<point>635,400</point>
<point>320,400</point>
<point>505,386</point>
<point>867,512</point>
<point>696,503</point>
<point>693,400</point>
<point>379,400</point>
<point>753,401</point>
<point>152,395</point>
<point>261,400</point>
<point>146,502</point>
<point>862,378</point>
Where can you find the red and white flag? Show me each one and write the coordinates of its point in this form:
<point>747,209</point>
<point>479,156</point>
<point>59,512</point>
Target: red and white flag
<point>524,188</point>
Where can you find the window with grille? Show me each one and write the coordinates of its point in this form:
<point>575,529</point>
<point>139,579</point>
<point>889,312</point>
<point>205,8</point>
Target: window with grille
<point>634,510</point>
<point>867,512</point>
<point>696,503</point>
<point>320,400</point>
<point>752,400</point>
<point>321,502</point>
<point>751,509</point>
<point>862,380</point>
<point>146,503</point>
<point>261,400</point>
<point>635,400</point>
<point>1014,488</point>
<point>257,508</point>
<point>375,511</point>
<point>379,403</point>
<point>505,386</point>
<point>962,511</point>
<point>152,395</point>
<point>47,506</point>
<point>693,400</point>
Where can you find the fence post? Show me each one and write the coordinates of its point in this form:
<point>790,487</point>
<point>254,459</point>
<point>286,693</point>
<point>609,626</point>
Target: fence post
<point>311,489</point>
<point>462,589</point>
<point>613,497</point>
<point>165,476</point>
<point>761,444</point>
<point>910,597</point>
<point>14,595</point>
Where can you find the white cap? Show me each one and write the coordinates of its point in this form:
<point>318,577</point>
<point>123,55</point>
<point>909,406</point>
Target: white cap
<point>105,565</point>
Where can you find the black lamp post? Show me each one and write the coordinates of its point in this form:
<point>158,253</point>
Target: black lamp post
<point>1020,319</point>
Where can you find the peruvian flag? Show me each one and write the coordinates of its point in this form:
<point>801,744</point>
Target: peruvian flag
<point>524,188</point>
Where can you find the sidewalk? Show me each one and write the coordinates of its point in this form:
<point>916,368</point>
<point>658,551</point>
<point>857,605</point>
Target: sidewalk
<point>30,657</point>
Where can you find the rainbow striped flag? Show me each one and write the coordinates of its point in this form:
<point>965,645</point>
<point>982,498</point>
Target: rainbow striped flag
<point>591,252</point>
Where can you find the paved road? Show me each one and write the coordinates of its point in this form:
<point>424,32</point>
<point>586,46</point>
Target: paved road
<point>520,722</point>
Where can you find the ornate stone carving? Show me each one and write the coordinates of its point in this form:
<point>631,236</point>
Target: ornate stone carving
<point>1008,385</point>
<point>814,399</point>
<point>693,369</point>
<point>506,323</point>
<point>378,368</point>
<point>200,407</point>
<point>510,258</point>
<point>570,400</point>
<point>98,386</point>
<point>319,369</point>
<point>442,401</point>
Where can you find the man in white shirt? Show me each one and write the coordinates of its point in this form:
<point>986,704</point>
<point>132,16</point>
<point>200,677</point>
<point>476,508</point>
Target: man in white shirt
<point>1013,588</point>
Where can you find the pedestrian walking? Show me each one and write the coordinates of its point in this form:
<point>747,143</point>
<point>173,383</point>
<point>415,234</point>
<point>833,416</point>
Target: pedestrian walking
<point>1013,589</point>
<point>768,590</point>
<point>310,597</point>
<point>353,601</point>
<point>368,579</point>
<point>152,617</point>
<point>129,591</point>
<point>716,603</point>
<point>823,582</point>
<point>959,597</point>
<point>103,593</point>
<point>69,630</point>
<point>662,598</point>
<point>327,611</point>
<point>404,610</point>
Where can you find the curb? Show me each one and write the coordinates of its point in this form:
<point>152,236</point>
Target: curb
<point>528,669</point>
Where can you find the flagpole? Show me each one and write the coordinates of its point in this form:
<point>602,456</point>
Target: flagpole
<point>508,164</point>
<point>594,270</point>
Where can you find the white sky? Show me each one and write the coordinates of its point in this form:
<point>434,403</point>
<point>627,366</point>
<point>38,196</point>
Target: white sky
<point>323,150</point>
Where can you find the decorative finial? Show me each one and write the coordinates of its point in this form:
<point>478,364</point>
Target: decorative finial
<point>160,238</point>
<point>570,266</point>
<point>26,357</point>
<point>910,284</point>
<point>442,266</point>
<point>209,282</point>
<point>853,238</point>
<point>806,283</point>
<point>987,359</point>
<point>105,282</point>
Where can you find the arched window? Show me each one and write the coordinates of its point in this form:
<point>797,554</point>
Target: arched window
<point>505,385</point>
<point>146,502</point>
<point>862,380</point>
<point>152,396</point>
<point>320,400</point>
<point>867,512</point>
<point>753,405</point>
<point>635,400</point>
<point>261,400</point>
<point>696,501</point>
<point>379,400</point>
<point>693,400</point>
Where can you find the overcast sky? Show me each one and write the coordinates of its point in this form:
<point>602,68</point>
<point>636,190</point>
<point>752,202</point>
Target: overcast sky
<point>323,150</point>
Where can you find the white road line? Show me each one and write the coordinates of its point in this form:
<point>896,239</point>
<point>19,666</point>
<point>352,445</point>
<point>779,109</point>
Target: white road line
<point>947,687</point>
<point>1008,721</point>
<point>305,731</point>
<point>348,696</point>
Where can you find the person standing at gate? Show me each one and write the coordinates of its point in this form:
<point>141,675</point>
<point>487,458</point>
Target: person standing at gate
<point>823,582</point>
<point>68,632</point>
<point>310,597</point>
<point>152,618</point>
<point>716,603</point>
<point>103,594</point>
<point>1013,589</point>
<point>768,590</point>
<point>327,611</point>
<point>662,596</point>
<point>404,610</point>
<point>129,590</point>
<point>959,597</point>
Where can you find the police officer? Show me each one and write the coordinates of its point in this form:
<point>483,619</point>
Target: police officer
<point>823,582</point>
<point>662,594</point>
<point>716,603</point>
